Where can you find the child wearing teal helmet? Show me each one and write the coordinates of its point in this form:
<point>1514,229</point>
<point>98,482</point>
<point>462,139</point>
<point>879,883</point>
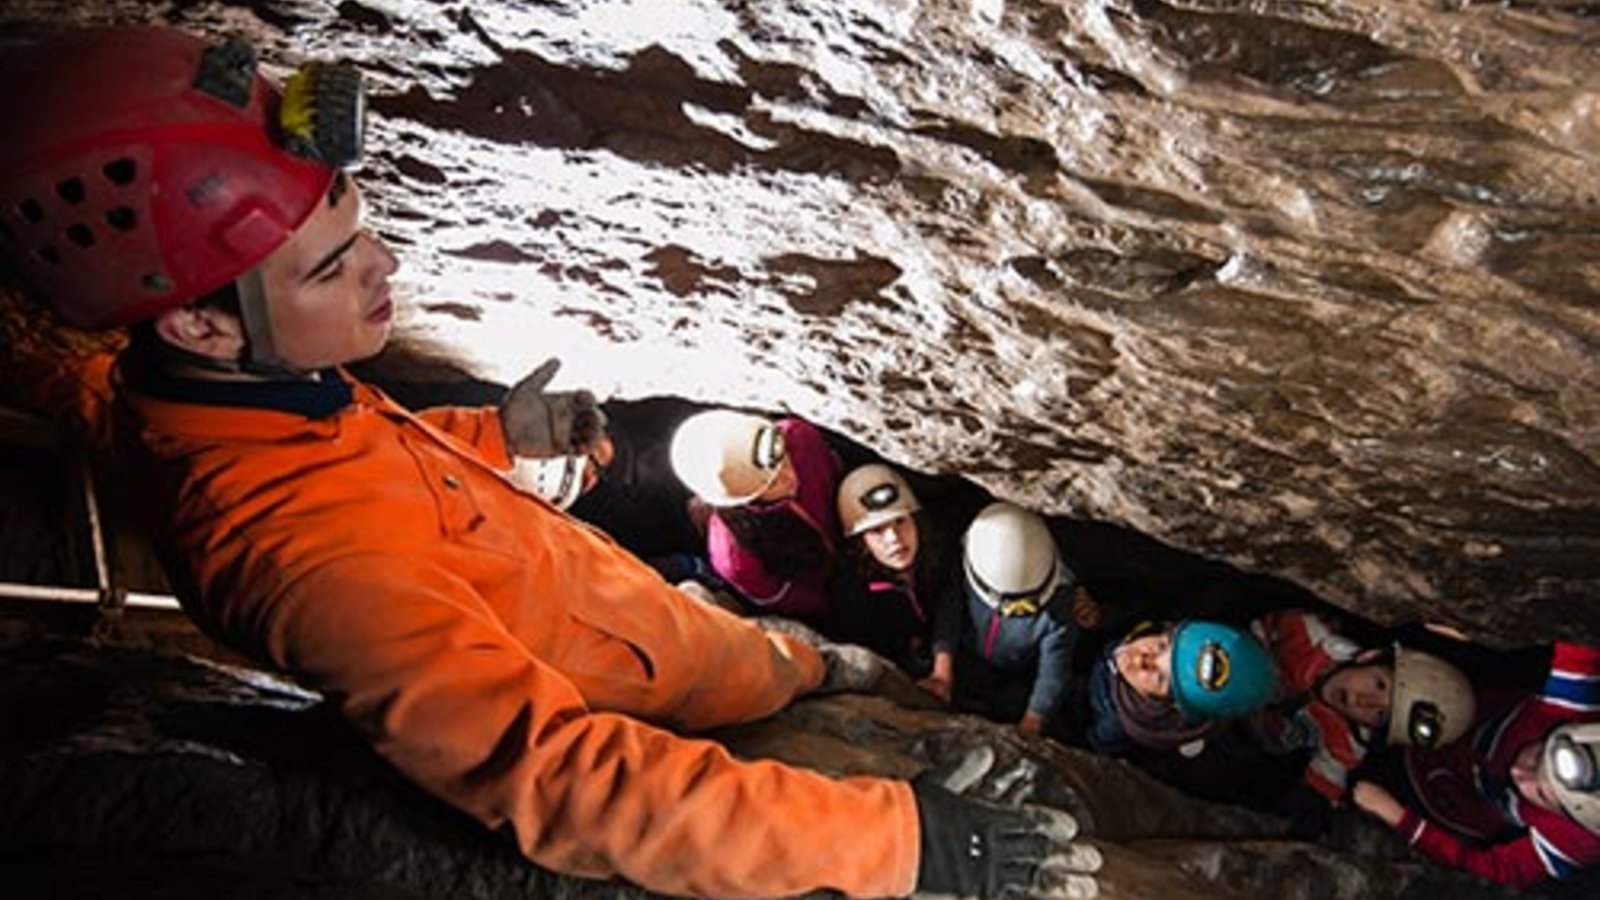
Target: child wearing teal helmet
<point>1165,687</point>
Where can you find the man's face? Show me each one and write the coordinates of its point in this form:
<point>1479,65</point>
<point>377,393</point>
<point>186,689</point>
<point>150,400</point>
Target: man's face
<point>327,287</point>
<point>1145,663</point>
<point>1361,693</point>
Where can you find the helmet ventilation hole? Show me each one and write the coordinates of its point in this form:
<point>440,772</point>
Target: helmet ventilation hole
<point>71,191</point>
<point>31,211</point>
<point>48,254</point>
<point>81,235</point>
<point>122,219</point>
<point>121,172</point>
<point>156,283</point>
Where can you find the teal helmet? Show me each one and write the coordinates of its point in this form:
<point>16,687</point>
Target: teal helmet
<point>1219,672</point>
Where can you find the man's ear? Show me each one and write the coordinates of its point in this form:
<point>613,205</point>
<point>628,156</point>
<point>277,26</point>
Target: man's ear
<point>203,331</point>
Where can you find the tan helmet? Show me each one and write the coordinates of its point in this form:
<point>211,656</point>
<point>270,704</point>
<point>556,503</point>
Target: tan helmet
<point>1011,559</point>
<point>558,479</point>
<point>1431,703</point>
<point>1571,769</point>
<point>873,495</point>
<point>727,458</point>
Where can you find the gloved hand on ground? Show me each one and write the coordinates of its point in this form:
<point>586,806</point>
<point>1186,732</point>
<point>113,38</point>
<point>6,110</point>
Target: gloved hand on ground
<point>850,668</point>
<point>540,424</point>
<point>973,850</point>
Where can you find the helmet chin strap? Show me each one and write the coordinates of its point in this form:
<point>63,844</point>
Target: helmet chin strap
<point>260,355</point>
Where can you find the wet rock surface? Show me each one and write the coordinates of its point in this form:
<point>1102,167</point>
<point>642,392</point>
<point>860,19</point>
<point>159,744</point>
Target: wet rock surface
<point>1307,287</point>
<point>134,773</point>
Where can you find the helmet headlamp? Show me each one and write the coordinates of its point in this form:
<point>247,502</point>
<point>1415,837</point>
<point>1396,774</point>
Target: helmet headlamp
<point>768,450</point>
<point>880,497</point>
<point>1424,725</point>
<point>1212,666</point>
<point>1573,764</point>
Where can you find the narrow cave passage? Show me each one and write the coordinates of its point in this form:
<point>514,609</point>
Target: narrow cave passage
<point>50,692</point>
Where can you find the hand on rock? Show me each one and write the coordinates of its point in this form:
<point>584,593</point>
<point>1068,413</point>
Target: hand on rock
<point>973,850</point>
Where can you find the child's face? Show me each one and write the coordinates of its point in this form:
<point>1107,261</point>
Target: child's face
<point>1525,775</point>
<point>1145,663</point>
<point>1361,693</point>
<point>894,543</point>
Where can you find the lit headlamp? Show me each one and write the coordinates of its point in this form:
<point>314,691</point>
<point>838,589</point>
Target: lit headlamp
<point>1425,725</point>
<point>880,497</point>
<point>1572,765</point>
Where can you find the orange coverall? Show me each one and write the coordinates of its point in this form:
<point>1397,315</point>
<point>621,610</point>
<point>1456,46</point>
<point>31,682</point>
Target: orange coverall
<point>503,655</point>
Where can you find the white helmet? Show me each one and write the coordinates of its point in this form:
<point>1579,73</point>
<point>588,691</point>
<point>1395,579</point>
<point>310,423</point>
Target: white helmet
<point>873,495</point>
<point>1431,703</point>
<point>1571,769</point>
<point>558,479</point>
<point>727,458</point>
<point>1011,559</point>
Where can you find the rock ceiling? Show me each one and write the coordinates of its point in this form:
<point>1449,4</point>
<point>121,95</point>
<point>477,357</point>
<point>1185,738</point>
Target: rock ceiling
<point>1309,287</point>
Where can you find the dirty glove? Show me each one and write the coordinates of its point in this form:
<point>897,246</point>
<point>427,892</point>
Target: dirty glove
<point>538,424</point>
<point>849,668</point>
<point>973,850</point>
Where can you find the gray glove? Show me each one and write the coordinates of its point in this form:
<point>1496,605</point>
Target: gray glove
<point>850,668</point>
<point>973,850</point>
<point>538,424</point>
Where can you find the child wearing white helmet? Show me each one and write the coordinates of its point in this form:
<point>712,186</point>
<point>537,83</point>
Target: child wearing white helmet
<point>886,595</point>
<point>1008,622</point>
<point>772,529</point>
<point>1337,700</point>
<point>1535,764</point>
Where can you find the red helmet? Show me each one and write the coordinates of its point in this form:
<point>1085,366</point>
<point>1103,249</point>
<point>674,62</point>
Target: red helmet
<point>140,171</point>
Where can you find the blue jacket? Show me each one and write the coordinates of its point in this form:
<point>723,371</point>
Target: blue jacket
<point>1041,644</point>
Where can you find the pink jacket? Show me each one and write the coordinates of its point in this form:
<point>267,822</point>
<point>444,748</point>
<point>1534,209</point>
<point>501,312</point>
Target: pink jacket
<point>805,598</point>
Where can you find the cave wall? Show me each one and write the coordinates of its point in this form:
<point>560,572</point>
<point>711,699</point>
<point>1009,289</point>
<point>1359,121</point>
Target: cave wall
<point>1308,287</point>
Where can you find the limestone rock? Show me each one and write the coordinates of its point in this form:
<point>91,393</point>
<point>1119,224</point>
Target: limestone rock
<point>1306,287</point>
<point>130,773</point>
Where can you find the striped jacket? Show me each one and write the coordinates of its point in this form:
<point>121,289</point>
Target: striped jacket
<point>1306,650</point>
<point>1549,844</point>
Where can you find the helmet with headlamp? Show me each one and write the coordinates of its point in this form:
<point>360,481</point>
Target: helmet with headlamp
<point>144,168</point>
<point>727,458</point>
<point>1570,767</point>
<point>1218,671</point>
<point>1431,703</point>
<point>873,495</point>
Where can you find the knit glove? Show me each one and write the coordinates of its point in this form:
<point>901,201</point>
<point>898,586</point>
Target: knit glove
<point>973,850</point>
<point>849,668</point>
<point>540,424</point>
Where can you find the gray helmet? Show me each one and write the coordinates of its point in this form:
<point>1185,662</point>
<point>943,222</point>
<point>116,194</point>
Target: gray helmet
<point>873,495</point>
<point>1431,703</point>
<point>1571,769</point>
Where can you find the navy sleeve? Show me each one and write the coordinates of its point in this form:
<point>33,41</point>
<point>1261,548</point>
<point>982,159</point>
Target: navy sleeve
<point>949,617</point>
<point>1105,733</point>
<point>1055,664</point>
